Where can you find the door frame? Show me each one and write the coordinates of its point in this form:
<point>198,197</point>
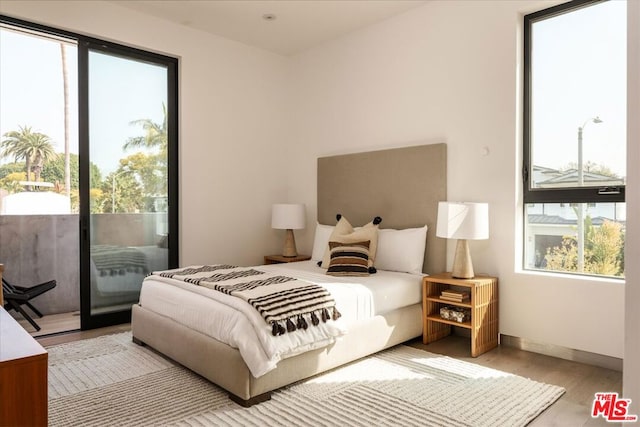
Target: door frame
<point>88,320</point>
<point>84,43</point>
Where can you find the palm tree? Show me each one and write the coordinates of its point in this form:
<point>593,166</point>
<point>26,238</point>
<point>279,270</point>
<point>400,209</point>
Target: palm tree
<point>32,147</point>
<point>67,155</point>
<point>15,144</point>
<point>42,150</point>
<point>155,134</point>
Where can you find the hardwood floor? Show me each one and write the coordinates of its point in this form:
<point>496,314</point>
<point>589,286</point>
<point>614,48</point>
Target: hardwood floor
<point>572,409</point>
<point>580,381</point>
<point>51,323</point>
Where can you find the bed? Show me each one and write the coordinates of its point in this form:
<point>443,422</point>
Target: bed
<point>403,186</point>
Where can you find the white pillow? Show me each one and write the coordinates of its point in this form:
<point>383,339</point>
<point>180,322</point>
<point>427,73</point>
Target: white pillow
<point>321,241</point>
<point>401,250</point>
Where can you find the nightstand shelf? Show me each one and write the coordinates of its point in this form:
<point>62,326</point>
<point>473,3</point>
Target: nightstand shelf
<point>437,318</point>
<point>279,259</point>
<point>483,305</point>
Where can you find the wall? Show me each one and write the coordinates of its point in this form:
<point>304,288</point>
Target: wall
<point>446,72</point>
<point>39,248</point>
<point>631,375</point>
<point>450,72</point>
<point>232,111</point>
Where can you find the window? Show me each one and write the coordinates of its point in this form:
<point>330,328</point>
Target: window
<point>575,138</point>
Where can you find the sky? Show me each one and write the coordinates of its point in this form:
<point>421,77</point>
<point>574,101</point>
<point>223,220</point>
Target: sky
<point>579,72</point>
<point>120,91</point>
<point>571,53</point>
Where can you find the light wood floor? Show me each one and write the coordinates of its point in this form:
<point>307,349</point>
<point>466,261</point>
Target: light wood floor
<point>50,323</point>
<point>580,381</point>
<point>572,409</point>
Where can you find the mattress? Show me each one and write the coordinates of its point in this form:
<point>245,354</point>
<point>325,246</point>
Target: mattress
<point>356,298</point>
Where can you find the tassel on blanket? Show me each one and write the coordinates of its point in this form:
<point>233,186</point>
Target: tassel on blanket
<point>314,319</point>
<point>290,326</point>
<point>325,315</point>
<point>302,324</point>
<point>277,329</point>
<point>336,314</point>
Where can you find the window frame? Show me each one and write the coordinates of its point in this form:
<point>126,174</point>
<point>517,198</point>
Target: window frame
<point>582,194</point>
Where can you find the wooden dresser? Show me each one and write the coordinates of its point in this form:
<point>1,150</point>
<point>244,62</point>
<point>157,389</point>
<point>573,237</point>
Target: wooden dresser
<point>23,376</point>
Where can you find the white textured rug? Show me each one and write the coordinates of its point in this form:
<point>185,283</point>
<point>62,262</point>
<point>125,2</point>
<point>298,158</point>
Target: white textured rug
<point>112,381</point>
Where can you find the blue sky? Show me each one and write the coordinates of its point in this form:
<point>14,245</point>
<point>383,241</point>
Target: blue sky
<point>31,93</point>
<point>579,72</point>
<point>577,76</point>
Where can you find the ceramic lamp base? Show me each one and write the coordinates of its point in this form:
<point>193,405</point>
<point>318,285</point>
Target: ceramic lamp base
<point>462,267</point>
<point>289,249</point>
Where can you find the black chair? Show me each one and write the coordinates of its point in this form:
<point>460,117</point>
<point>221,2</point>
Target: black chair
<point>16,296</point>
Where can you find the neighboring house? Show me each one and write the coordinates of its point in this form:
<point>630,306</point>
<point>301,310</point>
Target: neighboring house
<point>548,223</point>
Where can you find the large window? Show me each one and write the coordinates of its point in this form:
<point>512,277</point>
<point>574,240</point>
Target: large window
<point>575,138</point>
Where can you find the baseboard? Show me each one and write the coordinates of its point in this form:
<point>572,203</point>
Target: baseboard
<point>560,352</point>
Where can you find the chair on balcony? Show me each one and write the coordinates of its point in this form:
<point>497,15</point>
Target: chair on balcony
<point>17,296</point>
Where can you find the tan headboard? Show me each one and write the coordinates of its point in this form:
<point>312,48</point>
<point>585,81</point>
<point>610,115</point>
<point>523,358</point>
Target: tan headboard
<point>401,185</point>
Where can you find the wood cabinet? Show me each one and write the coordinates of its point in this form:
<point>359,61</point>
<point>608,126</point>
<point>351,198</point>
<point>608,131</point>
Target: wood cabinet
<point>279,259</point>
<point>23,376</point>
<point>482,305</point>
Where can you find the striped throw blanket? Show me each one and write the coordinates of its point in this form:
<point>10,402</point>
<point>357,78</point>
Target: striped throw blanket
<point>118,260</point>
<point>284,302</point>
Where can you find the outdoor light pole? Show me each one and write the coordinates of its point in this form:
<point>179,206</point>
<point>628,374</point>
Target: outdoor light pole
<point>580,214</point>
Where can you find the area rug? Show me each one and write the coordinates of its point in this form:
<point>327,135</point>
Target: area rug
<point>111,381</point>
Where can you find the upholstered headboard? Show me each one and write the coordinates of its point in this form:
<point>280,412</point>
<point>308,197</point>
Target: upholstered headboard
<point>401,185</point>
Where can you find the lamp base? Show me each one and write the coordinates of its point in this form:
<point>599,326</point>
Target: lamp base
<point>289,248</point>
<point>462,267</point>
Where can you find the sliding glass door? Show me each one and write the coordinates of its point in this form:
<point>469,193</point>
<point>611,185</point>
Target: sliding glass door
<point>89,135</point>
<point>128,223</point>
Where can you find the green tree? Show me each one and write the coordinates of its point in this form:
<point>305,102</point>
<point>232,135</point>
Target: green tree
<point>155,134</point>
<point>11,168</point>
<point>11,181</point>
<point>54,171</point>
<point>120,192</point>
<point>34,148</point>
<point>603,250</point>
<point>151,168</point>
<point>146,168</point>
<point>16,143</point>
<point>43,151</point>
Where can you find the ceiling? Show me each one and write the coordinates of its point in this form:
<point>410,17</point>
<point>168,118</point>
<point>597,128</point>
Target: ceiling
<point>298,24</point>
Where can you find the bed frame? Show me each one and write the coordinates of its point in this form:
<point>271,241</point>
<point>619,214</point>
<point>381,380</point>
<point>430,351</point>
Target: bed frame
<point>403,186</point>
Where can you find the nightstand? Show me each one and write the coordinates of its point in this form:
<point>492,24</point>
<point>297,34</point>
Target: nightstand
<point>279,259</point>
<point>482,304</point>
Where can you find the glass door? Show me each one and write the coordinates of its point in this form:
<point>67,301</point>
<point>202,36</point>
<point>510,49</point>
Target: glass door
<point>127,227</point>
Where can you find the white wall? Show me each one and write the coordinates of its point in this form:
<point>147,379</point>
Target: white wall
<point>631,376</point>
<point>446,72</point>
<point>450,72</point>
<point>232,133</point>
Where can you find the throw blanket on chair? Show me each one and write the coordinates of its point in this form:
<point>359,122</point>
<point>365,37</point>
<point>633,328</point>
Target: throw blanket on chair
<point>285,303</point>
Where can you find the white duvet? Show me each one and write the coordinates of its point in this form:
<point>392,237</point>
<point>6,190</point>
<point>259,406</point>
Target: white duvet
<point>239,325</point>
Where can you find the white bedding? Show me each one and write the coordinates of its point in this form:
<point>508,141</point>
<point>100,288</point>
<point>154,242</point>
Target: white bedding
<point>356,298</point>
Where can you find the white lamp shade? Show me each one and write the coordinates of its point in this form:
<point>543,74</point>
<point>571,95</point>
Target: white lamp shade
<point>461,220</point>
<point>288,216</point>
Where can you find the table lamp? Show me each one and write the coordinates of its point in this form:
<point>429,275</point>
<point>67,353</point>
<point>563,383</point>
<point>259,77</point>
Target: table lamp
<point>463,221</point>
<point>288,217</point>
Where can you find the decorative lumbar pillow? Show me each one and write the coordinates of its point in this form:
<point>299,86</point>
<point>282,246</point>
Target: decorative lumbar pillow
<point>345,233</point>
<point>348,259</point>
<point>401,250</point>
<point>321,241</point>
